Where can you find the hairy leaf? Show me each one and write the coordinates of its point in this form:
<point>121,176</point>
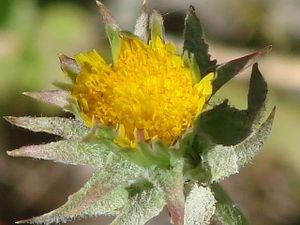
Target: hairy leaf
<point>227,125</point>
<point>142,24</point>
<point>102,194</point>
<point>66,151</point>
<point>145,202</point>
<point>199,205</point>
<point>171,182</point>
<point>64,127</point>
<point>223,161</point>
<point>58,98</point>
<point>249,147</point>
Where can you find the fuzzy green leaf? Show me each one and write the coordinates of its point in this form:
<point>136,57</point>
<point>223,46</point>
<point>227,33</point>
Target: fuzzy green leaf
<point>58,98</point>
<point>227,125</point>
<point>100,133</point>
<point>226,211</point>
<point>142,24</point>
<point>171,182</point>
<point>102,194</point>
<point>219,131</point>
<point>199,205</point>
<point>67,128</point>
<point>227,71</point>
<point>145,202</point>
<point>223,161</point>
<point>70,152</point>
<point>250,146</point>
<point>194,43</point>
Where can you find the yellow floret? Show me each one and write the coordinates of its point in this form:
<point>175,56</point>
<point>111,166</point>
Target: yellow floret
<point>147,94</point>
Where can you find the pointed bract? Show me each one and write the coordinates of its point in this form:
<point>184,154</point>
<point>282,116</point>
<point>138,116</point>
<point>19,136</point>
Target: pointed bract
<point>227,71</point>
<point>108,19</point>
<point>67,128</point>
<point>142,24</point>
<point>257,94</point>
<point>102,194</point>
<point>58,98</point>
<point>194,43</point>
<point>69,66</point>
<point>156,26</point>
<point>70,152</point>
<point>112,30</point>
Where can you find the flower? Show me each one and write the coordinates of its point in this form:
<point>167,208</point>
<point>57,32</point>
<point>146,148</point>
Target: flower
<point>147,99</point>
<point>148,93</point>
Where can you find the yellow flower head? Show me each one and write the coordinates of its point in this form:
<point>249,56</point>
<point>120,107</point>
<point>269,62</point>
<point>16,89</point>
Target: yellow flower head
<point>148,93</point>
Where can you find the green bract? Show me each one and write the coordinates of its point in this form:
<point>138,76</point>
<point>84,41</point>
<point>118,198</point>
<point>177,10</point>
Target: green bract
<point>135,185</point>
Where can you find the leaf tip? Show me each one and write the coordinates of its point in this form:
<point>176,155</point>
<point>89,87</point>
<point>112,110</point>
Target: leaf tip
<point>64,58</point>
<point>58,98</point>
<point>268,48</point>
<point>34,151</point>
<point>23,221</point>
<point>61,56</point>
<point>9,153</point>
<point>10,119</point>
<point>15,153</point>
<point>262,52</point>
<point>18,121</point>
<point>106,15</point>
<point>272,114</point>
<point>98,3</point>
<point>27,93</point>
<point>191,10</point>
<point>144,6</point>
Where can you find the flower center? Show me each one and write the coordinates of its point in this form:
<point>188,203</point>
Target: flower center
<point>147,94</point>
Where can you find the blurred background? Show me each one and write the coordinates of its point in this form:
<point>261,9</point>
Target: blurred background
<point>33,32</point>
